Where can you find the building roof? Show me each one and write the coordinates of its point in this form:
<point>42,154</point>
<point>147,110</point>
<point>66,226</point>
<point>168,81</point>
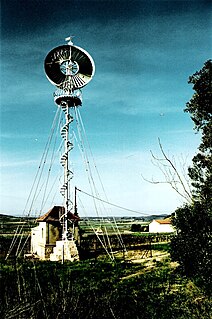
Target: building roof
<point>55,214</point>
<point>163,221</point>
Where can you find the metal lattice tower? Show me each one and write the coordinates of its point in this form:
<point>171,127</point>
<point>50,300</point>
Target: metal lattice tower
<point>69,68</point>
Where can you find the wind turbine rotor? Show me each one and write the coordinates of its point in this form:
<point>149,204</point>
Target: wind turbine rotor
<point>69,64</point>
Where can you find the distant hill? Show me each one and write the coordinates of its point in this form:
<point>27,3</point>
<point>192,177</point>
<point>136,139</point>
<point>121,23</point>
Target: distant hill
<point>144,218</point>
<point>128,218</point>
<point>7,217</point>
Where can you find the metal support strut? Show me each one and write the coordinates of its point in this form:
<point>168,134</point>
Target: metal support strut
<point>68,174</point>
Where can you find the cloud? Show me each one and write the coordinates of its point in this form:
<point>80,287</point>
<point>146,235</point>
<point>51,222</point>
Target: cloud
<point>21,135</point>
<point>18,163</point>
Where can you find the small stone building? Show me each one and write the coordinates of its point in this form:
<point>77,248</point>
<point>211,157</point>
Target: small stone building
<point>45,236</point>
<point>161,226</point>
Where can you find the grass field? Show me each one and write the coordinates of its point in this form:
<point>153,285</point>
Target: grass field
<point>142,283</point>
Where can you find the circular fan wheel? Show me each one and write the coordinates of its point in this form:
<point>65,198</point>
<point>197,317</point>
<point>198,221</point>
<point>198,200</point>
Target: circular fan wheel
<point>69,64</point>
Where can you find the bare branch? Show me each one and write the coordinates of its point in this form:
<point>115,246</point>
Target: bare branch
<point>152,181</point>
<point>177,179</point>
<point>175,170</point>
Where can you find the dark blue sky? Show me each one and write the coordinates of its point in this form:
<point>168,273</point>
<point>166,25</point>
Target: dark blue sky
<point>144,52</point>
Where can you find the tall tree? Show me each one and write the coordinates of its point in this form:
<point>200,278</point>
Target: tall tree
<point>200,109</point>
<point>192,246</point>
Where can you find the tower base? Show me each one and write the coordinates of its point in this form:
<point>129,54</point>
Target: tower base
<point>65,250</point>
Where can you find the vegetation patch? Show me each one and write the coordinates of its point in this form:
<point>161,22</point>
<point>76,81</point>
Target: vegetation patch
<point>99,289</point>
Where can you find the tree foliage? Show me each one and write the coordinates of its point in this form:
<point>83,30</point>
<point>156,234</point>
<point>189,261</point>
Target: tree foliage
<point>200,109</point>
<point>192,246</point>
